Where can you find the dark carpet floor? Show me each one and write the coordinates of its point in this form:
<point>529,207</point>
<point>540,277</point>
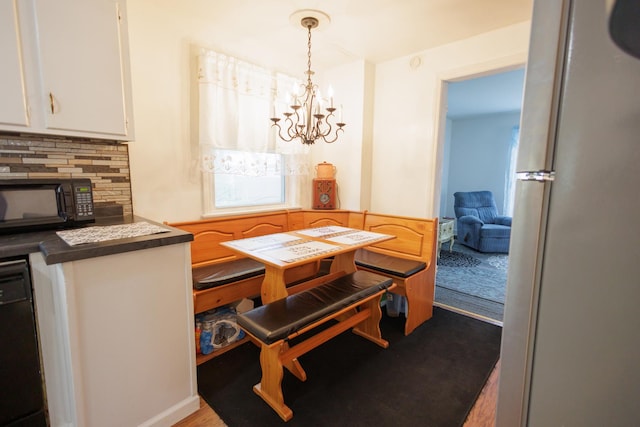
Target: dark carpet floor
<point>429,378</point>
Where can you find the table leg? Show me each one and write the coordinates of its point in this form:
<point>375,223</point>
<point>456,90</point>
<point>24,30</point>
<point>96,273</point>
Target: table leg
<point>344,262</point>
<point>273,285</point>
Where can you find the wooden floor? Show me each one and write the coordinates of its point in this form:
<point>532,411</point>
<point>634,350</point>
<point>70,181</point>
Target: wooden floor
<point>483,413</point>
<point>203,417</point>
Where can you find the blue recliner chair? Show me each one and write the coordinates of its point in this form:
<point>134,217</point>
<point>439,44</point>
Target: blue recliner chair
<point>479,225</point>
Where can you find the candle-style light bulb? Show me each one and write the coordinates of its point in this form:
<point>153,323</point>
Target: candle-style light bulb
<point>318,99</point>
<point>330,93</point>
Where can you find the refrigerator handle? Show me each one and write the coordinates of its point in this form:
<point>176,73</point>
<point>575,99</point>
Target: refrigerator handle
<point>540,176</point>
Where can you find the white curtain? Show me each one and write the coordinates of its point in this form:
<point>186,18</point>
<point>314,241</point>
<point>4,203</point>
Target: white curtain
<point>510,178</point>
<point>236,100</point>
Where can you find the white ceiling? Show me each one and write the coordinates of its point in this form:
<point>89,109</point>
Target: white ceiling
<point>263,32</point>
<point>260,31</point>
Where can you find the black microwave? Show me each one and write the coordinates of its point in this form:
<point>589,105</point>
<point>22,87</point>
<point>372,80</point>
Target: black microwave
<point>37,204</point>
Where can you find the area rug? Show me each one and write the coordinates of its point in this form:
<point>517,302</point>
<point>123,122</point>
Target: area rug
<point>430,378</point>
<point>472,281</point>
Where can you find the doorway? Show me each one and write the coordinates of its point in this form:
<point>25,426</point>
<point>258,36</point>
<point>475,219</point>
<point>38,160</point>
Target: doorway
<point>479,126</point>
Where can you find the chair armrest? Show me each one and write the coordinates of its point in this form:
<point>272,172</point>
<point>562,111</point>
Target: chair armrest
<point>503,220</point>
<point>470,220</point>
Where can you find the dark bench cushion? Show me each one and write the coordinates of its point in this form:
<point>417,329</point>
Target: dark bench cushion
<point>279,319</point>
<point>388,264</point>
<point>226,272</point>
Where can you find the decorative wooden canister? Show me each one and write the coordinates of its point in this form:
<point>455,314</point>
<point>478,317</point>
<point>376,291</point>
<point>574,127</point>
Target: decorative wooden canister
<point>325,170</point>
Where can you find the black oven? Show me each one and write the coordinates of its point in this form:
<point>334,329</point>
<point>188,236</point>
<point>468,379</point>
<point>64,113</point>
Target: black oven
<point>22,397</point>
<point>35,204</point>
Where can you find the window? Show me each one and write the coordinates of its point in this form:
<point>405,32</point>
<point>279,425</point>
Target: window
<point>245,166</point>
<point>258,181</point>
<point>510,178</point>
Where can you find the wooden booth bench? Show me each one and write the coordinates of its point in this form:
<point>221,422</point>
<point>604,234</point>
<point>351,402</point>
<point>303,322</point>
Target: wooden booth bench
<point>222,276</point>
<point>351,299</point>
<point>409,259</point>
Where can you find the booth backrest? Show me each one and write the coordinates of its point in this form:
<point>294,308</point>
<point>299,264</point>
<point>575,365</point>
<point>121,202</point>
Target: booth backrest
<point>301,219</point>
<point>414,240</point>
<point>209,233</point>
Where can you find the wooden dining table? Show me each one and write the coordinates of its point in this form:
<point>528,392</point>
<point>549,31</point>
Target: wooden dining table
<point>281,251</point>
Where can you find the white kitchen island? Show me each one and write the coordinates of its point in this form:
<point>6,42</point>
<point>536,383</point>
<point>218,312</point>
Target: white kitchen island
<point>116,334</point>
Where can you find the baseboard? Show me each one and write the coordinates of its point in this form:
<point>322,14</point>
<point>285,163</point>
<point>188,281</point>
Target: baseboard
<point>174,414</point>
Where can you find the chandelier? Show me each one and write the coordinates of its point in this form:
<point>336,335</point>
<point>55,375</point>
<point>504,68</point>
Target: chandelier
<point>306,118</point>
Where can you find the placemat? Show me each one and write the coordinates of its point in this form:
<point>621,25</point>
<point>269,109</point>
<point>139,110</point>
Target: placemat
<point>109,232</point>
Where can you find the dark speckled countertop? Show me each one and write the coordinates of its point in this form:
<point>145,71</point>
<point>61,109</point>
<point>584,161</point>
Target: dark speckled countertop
<point>56,250</point>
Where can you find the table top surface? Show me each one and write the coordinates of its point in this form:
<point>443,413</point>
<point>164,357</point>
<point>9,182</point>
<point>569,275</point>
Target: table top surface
<point>293,248</point>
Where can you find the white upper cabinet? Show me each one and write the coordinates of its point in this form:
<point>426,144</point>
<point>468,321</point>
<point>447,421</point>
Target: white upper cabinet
<point>74,59</point>
<point>13,102</point>
<point>83,72</point>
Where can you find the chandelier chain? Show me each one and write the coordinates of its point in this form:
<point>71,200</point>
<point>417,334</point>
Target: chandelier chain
<point>309,72</point>
<point>305,120</point>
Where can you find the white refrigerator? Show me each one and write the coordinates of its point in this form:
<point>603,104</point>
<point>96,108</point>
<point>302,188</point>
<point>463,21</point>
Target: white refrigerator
<point>571,339</point>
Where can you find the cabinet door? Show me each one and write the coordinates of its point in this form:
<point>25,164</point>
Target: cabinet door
<point>82,65</point>
<point>13,107</point>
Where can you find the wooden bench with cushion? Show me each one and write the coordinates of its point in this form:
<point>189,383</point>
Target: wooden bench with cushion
<point>222,277</point>
<point>409,260</point>
<point>351,299</point>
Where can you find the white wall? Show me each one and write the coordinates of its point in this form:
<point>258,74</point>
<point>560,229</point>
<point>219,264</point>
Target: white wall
<point>390,112</point>
<point>350,153</point>
<point>165,184</point>
<point>406,119</point>
<point>165,178</point>
<point>479,156</point>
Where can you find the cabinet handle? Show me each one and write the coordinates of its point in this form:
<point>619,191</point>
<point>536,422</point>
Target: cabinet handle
<point>51,103</point>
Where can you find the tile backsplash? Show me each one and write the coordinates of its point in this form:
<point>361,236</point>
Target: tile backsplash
<point>106,163</point>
